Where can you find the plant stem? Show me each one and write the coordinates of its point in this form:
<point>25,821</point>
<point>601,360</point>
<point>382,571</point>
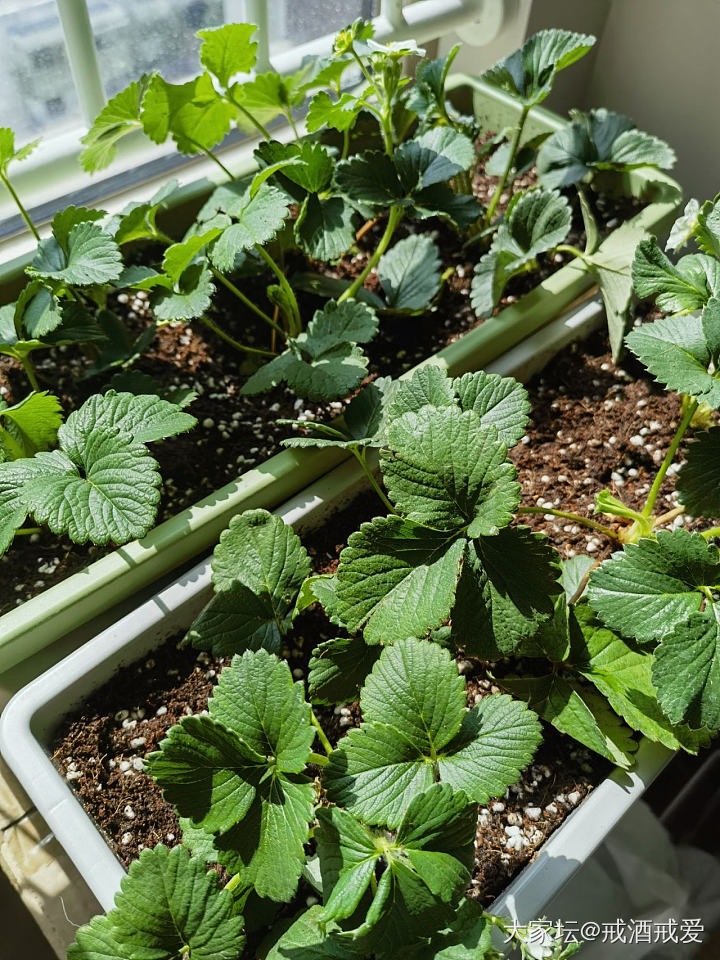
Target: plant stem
<point>708,534</point>
<point>247,301</point>
<point>211,325</point>
<point>295,324</point>
<point>360,457</point>
<point>233,883</point>
<point>211,156</point>
<point>515,143</point>
<point>23,212</point>
<point>27,531</point>
<point>30,372</point>
<point>669,457</point>
<point>346,144</point>
<point>575,517</point>
<point>394,219</point>
<point>327,746</point>
<point>291,121</point>
<point>319,759</point>
<point>246,113</point>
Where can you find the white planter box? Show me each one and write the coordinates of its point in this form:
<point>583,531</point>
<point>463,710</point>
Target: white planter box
<point>31,718</point>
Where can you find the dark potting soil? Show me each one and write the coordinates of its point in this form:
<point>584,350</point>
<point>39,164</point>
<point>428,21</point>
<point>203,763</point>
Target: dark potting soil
<point>236,432</point>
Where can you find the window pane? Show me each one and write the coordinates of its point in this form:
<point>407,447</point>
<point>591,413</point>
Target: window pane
<point>38,96</point>
<point>141,36</point>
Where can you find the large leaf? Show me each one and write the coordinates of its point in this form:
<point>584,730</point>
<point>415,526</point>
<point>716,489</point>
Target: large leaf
<point>648,588</point>
<point>324,362</point>
<point>598,140</point>
<point>228,50</point>
<point>307,164</point>
<point>422,871</point>
<point>698,483</point>
<point>144,418</point>
<point>686,671</point>
<point>396,579</point>
<point>678,288</point>
<point>446,470</point>
<point>416,731</point>
<point>238,772</point>
<point>29,426</point>
<point>338,669</point>
<point>434,157</point>
<point>500,402</point>
<point>675,352</point>
<point>409,273</point>
<point>168,906</point>
<point>92,256</point>
<point>259,566</point>
<point>119,116</point>
<point>193,113</point>
<point>369,178</point>
<point>528,74</point>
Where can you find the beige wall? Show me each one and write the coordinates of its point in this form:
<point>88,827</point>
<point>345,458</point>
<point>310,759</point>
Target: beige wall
<point>656,60</point>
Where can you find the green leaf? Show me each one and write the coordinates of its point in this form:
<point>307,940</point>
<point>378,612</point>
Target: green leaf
<point>264,97</point>
<point>409,273</point>
<point>179,256</point>
<point>258,217</point>
<point>107,491</point>
<point>337,114</point>
<point>338,668</point>
<point>440,200</point>
<point>193,113</point>
<point>259,566</point>
<point>238,771</point>
<point>610,265</point>
<point>528,74</point>
<point>679,288</point>
<point>396,579</point>
<point>142,418</point>
<point>325,228</point>
<point>577,711</point>
<point>428,94</point>
<point>416,731</point>
<point>446,470</point>
<point>228,50</point>
<point>707,226</point>
<point>369,178</point>
<point>686,671</point>
<point>65,220</point>
<point>92,256</point>
<point>306,164</point>
<point>684,227</point>
<point>675,352</point>
<point>30,425</point>
<point>39,310</point>
<point>324,362</point>
<point>429,385</point>
<point>8,153</point>
<point>499,402</point>
<point>494,610</point>
<point>189,297</point>
<point>468,937</point>
<point>598,140</point>
<point>649,587</point>
<point>137,220</point>
<point>432,158</point>
<point>119,116</point>
<point>624,676</point>
<point>698,483</point>
<point>13,507</point>
<point>310,939</point>
<point>168,906</point>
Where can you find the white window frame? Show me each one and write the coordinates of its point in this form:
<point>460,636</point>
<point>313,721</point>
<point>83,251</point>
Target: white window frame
<point>54,170</point>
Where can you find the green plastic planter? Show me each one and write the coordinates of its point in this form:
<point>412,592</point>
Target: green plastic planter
<point>116,577</point>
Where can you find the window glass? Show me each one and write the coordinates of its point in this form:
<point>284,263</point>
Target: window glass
<point>38,96</point>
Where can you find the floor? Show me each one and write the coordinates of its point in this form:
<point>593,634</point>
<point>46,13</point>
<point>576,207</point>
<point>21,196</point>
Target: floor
<point>20,934</point>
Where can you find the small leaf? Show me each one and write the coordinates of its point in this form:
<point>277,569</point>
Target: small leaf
<point>528,74</point>
<point>445,470</point>
<point>429,385</point>
<point>684,227</point>
<point>265,97</point>
<point>409,273</point>
<point>338,669</point>
<point>228,50</point>
<point>675,352</point>
<point>30,425</point>
<point>707,226</point>
<point>168,906</point>
<point>187,298</point>
<point>432,158</point>
<point>39,310</point>
<point>499,402</point>
<point>681,288</point>
<point>258,567</point>
<point>92,256</point>
<point>13,507</point>
<point>698,483</point>
<point>258,217</point>
<point>8,152</point>
<point>325,230</point>
<point>311,939</point>
<point>468,937</point>
<point>369,178</point>
<point>119,116</point>
<point>337,114</point>
<point>193,113</point>
<point>686,671</point>
<point>646,589</point>
<point>65,220</point>
<point>308,165</point>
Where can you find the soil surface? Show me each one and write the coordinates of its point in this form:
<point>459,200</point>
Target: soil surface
<point>593,426</point>
<point>237,432</point>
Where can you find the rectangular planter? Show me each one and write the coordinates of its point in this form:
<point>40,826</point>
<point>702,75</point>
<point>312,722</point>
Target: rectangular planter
<point>30,720</point>
<point>78,599</point>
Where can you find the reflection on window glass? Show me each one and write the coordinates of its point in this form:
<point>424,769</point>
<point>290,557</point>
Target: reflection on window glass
<point>141,36</point>
<point>38,97</point>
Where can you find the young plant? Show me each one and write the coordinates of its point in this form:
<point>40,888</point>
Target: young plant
<point>100,483</point>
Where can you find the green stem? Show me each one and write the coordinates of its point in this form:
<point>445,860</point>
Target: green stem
<point>211,156</point>
<point>233,883</point>
<point>27,531</point>
<point>515,143</point>
<point>346,144</point>
<point>291,121</point>
<point>211,325</point>
<point>247,301</point>
<point>246,113</point>
<point>296,324</point>
<point>708,534</point>
<point>327,746</point>
<point>319,759</point>
<point>669,457</point>
<point>573,251</point>
<point>23,212</point>
<point>575,517</point>
<point>30,372</point>
<point>463,182</point>
<point>396,215</point>
<point>360,457</point>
